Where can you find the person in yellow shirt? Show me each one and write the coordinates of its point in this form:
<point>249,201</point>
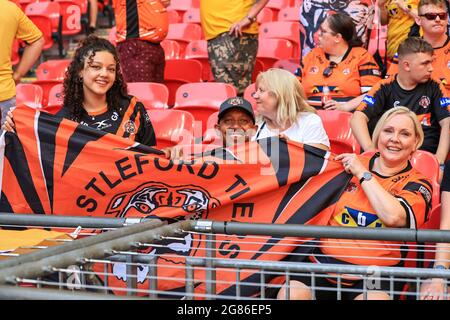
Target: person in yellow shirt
<point>14,24</point>
<point>231,31</point>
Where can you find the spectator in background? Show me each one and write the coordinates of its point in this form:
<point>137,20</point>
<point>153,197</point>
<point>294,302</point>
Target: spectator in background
<point>93,12</point>
<point>385,192</point>
<point>280,101</point>
<point>231,30</point>
<point>141,26</point>
<point>336,74</point>
<point>413,88</point>
<point>400,17</point>
<point>434,289</point>
<point>433,20</point>
<point>313,13</point>
<point>14,24</point>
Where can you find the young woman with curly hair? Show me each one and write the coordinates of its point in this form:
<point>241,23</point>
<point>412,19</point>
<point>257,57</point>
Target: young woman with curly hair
<point>95,94</point>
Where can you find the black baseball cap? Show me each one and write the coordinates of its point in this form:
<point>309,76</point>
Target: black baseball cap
<point>236,103</point>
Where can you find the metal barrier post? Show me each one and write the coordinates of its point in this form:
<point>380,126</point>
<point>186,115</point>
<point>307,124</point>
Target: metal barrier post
<point>210,268</point>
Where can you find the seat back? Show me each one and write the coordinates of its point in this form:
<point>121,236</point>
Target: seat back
<point>178,72</point>
<point>192,16</point>
<point>55,98</point>
<point>289,14</point>
<point>427,164</point>
<point>337,126</point>
<point>29,94</point>
<point>197,50</point>
<point>44,23</point>
<point>272,50</point>
<point>172,49</point>
<point>276,6</point>
<point>46,8</point>
<point>46,86</point>
<point>173,16</point>
<point>183,33</point>
<point>152,95</point>
<point>290,65</point>
<point>288,30</point>
<point>265,15</point>
<point>248,95</point>
<point>112,37</point>
<point>171,127</point>
<point>71,11</point>
<point>52,69</point>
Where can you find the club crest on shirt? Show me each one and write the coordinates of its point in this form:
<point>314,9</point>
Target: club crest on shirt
<point>314,70</point>
<point>129,127</point>
<point>351,187</point>
<point>448,64</point>
<point>346,71</point>
<point>424,102</point>
<point>114,116</point>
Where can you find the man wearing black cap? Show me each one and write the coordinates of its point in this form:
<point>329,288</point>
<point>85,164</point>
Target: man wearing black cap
<point>236,121</point>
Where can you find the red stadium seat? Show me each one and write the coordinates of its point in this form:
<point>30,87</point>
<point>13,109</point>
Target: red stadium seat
<point>46,8</point>
<point>248,95</point>
<point>192,16</point>
<point>183,33</point>
<point>203,99</point>
<point>52,69</point>
<point>112,37</point>
<point>181,6</point>
<point>288,30</point>
<point>271,50</point>
<point>277,5</point>
<point>172,49</point>
<point>46,86</point>
<point>44,23</point>
<point>265,15</point>
<point>55,99</point>
<point>427,164</point>
<point>171,127</point>
<point>259,67</point>
<point>29,94</point>
<point>337,126</point>
<point>290,65</point>
<point>197,50</point>
<point>178,72</point>
<point>173,16</point>
<point>152,95</point>
<point>71,11</point>
<point>289,14</point>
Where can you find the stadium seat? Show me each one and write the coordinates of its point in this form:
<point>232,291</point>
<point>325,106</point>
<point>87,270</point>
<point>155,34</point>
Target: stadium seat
<point>192,16</point>
<point>289,14</point>
<point>171,127</point>
<point>171,48</point>
<point>183,33</point>
<point>52,69</point>
<point>55,99</point>
<point>152,95</point>
<point>427,164</point>
<point>337,126</point>
<point>71,11</point>
<point>46,86</point>
<point>112,37</point>
<point>272,50</point>
<point>288,30</point>
<point>259,67</point>
<point>178,72</point>
<point>29,94</point>
<point>181,6</point>
<point>173,16</point>
<point>203,99</point>
<point>265,15</point>
<point>197,50</point>
<point>44,23</point>
<point>47,8</point>
<point>248,95</point>
<point>276,6</point>
<point>290,65</point>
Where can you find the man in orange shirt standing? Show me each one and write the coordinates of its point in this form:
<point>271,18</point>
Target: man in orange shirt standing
<point>141,26</point>
<point>231,30</point>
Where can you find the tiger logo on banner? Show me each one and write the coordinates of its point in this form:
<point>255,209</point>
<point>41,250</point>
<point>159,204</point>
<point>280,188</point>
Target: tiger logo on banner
<point>56,166</point>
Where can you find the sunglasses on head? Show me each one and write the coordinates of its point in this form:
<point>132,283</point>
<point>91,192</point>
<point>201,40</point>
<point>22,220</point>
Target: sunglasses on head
<point>432,16</point>
<point>329,70</point>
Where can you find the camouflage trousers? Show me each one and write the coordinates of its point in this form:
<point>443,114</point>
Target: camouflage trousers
<point>233,58</point>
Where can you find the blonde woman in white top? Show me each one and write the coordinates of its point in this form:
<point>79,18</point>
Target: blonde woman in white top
<point>283,110</point>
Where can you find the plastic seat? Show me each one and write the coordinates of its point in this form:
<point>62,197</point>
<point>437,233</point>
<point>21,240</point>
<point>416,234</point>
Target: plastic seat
<point>289,14</point>
<point>173,16</point>
<point>248,95</point>
<point>181,6</point>
<point>46,8</point>
<point>29,94</point>
<point>277,5</point>
<point>197,50</point>
<point>259,67</point>
<point>171,127</point>
<point>272,50</point>
<point>71,11</point>
<point>44,23</point>
<point>152,95</point>
<point>183,33</point>
<point>112,37</point>
<point>46,86</point>
<point>52,69</point>
<point>290,65</point>
<point>55,99</point>
<point>178,72</point>
<point>203,99</point>
<point>427,164</point>
<point>171,48</point>
<point>192,16</point>
<point>337,126</point>
<point>288,30</point>
<point>265,15</point>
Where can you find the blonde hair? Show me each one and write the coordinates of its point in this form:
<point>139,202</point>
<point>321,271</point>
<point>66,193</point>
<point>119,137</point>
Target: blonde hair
<point>288,92</point>
<point>393,112</point>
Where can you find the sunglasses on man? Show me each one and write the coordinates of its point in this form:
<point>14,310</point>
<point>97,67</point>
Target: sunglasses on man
<point>329,70</point>
<point>432,16</point>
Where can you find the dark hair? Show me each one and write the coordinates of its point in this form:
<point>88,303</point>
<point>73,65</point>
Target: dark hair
<point>438,3</point>
<point>414,45</point>
<point>342,23</point>
<point>73,84</point>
